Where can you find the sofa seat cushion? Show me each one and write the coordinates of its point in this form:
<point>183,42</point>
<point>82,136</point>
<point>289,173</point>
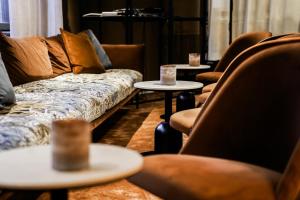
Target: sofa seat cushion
<point>197,177</point>
<point>85,96</point>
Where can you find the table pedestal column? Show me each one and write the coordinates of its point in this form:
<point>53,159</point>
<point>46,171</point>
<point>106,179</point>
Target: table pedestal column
<point>59,194</point>
<point>167,139</point>
<point>184,101</point>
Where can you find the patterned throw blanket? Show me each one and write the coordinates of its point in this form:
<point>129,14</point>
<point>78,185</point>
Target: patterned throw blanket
<point>84,96</point>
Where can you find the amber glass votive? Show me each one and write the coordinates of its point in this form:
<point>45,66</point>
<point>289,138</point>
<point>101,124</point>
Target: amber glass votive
<point>194,59</point>
<point>168,74</point>
<point>70,142</point>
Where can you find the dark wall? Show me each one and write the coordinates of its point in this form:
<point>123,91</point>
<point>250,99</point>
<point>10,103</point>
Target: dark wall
<point>186,35</point>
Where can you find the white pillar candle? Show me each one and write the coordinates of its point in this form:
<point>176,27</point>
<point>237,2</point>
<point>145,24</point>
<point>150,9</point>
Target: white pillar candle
<point>194,59</point>
<point>70,142</point>
<point>168,75</point>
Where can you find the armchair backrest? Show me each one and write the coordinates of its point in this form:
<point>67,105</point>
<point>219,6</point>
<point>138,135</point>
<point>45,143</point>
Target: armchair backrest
<point>289,185</point>
<point>238,45</point>
<point>252,114</point>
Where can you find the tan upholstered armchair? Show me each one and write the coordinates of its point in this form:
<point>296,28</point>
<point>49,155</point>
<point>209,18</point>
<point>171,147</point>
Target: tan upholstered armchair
<point>243,138</point>
<point>240,44</point>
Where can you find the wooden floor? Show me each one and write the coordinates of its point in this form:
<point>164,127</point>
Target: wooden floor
<point>119,129</point>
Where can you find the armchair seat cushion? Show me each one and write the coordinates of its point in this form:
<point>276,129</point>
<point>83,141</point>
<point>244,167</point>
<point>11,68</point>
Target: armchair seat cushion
<point>197,177</point>
<point>201,98</point>
<point>183,121</point>
<point>209,88</point>
<point>209,77</point>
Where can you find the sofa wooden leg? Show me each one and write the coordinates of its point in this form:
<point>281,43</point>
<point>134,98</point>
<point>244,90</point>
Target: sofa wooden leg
<point>137,100</point>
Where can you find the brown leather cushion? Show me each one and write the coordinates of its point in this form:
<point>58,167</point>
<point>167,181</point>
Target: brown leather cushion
<point>209,76</point>
<point>126,56</point>
<point>196,177</point>
<point>25,59</point>
<point>183,121</point>
<point>201,98</point>
<point>81,53</point>
<point>58,57</point>
<point>209,88</point>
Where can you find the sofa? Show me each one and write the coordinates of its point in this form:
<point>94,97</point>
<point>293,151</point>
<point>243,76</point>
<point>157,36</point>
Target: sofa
<point>92,97</point>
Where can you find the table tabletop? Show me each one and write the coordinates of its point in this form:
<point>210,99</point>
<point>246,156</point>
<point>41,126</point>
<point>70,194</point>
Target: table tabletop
<point>189,67</point>
<point>30,168</point>
<point>157,86</point>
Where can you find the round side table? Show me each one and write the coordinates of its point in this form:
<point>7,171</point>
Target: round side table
<point>167,140</point>
<point>30,169</point>
<point>189,72</point>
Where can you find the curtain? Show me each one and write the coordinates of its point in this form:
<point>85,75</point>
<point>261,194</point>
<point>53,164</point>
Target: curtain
<point>276,16</point>
<point>35,17</point>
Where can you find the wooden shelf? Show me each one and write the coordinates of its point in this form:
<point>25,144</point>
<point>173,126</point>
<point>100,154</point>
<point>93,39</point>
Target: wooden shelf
<point>168,20</point>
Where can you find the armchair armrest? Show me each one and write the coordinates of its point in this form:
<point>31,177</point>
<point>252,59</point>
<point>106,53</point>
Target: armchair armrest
<point>126,56</point>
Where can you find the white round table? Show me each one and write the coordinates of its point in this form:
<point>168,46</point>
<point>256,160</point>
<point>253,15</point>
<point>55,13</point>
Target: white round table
<point>30,169</point>
<point>166,140</point>
<point>157,86</point>
<point>189,67</point>
<point>168,89</point>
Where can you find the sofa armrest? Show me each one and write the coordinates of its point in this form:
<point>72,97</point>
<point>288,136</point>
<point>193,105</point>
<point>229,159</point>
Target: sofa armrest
<point>126,56</point>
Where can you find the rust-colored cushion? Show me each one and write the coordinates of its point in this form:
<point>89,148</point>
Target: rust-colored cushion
<point>209,76</point>
<point>201,98</point>
<point>183,121</point>
<point>81,53</point>
<point>196,177</point>
<point>26,59</point>
<point>58,57</point>
<point>209,88</point>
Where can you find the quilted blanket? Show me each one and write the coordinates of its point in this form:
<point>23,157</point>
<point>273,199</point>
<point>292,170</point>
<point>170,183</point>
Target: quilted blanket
<point>84,96</point>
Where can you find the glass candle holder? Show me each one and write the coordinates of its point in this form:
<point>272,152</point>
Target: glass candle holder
<point>168,74</point>
<point>194,59</point>
<point>70,142</point>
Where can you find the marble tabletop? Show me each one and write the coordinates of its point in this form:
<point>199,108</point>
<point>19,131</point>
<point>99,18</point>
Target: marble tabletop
<point>30,168</point>
<point>157,86</point>
<point>189,67</point>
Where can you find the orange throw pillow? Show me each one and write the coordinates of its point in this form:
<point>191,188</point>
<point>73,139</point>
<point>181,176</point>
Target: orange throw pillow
<point>26,59</point>
<point>81,53</point>
<point>58,56</point>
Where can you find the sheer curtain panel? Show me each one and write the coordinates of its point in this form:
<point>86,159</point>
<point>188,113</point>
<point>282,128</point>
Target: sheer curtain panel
<point>276,16</point>
<point>35,17</point>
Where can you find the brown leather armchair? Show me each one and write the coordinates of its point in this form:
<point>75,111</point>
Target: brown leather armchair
<point>240,44</point>
<point>183,121</point>
<point>200,99</point>
<point>244,135</point>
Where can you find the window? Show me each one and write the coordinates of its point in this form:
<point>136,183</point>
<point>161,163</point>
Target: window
<point>4,16</point>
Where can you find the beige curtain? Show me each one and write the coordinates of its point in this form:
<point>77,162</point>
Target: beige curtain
<point>276,16</point>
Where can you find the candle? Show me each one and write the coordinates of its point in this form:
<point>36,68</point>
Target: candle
<point>70,141</point>
<point>168,75</point>
<point>194,59</point>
